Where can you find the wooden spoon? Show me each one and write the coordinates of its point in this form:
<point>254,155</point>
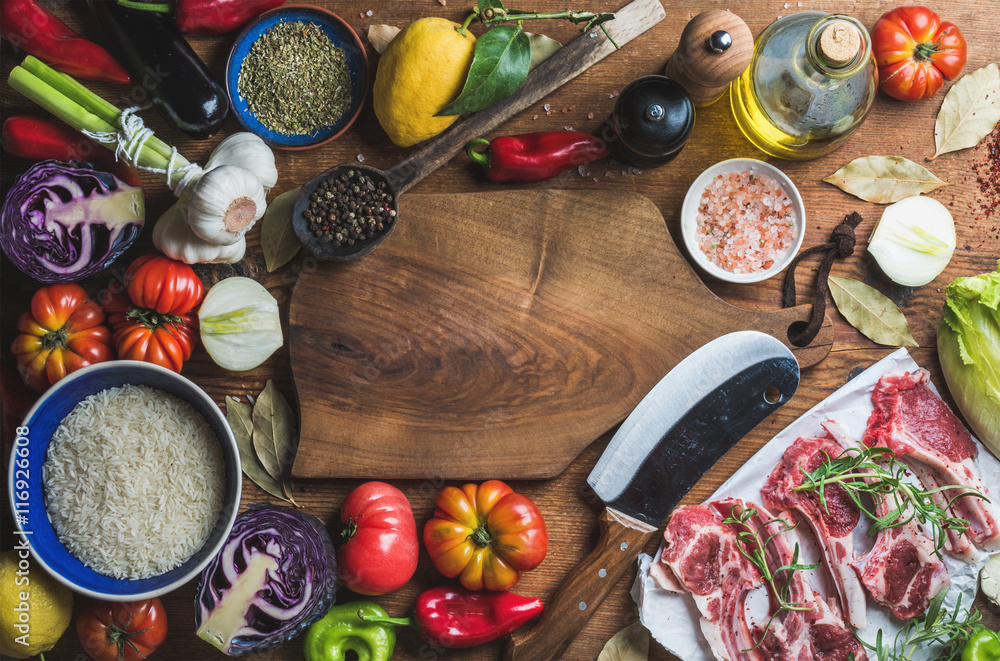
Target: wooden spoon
<point>567,63</point>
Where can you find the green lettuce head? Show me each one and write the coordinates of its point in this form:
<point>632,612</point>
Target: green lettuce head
<point>969,348</point>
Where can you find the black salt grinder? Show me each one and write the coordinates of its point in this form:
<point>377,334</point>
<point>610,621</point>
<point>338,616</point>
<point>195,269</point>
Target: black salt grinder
<point>652,120</point>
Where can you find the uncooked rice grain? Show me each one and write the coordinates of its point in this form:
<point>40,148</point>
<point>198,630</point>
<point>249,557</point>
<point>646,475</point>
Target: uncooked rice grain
<point>134,481</point>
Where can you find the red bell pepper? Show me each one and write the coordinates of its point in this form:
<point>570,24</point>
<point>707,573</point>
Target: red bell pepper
<point>453,617</point>
<point>219,16</point>
<point>536,156</point>
<point>41,139</point>
<point>28,25</point>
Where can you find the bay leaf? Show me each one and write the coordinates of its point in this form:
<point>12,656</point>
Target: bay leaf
<point>275,438</point>
<point>542,48</point>
<point>884,179</point>
<point>871,312</point>
<point>629,644</point>
<point>969,112</point>
<point>277,237</point>
<point>500,64</point>
<point>240,420</point>
<point>380,35</point>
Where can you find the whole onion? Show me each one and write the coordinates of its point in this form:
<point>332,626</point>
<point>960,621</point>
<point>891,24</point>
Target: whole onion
<point>63,221</point>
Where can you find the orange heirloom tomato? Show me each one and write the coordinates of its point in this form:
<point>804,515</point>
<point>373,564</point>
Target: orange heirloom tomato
<point>61,333</point>
<point>916,52</point>
<point>486,535</point>
<point>142,334</point>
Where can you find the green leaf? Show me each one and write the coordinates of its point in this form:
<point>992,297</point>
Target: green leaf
<point>868,310</point>
<point>969,112</point>
<point>275,438</point>
<point>884,179</point>
<point>277,238</point>
<point>499,65</point>
<point>240,420</point>
<point>629,644</point>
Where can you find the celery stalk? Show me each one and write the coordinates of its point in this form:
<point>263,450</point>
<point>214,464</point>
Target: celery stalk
<point>76,105</point>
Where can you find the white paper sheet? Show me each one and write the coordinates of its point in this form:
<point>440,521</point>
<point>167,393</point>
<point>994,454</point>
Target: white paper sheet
<point>673,618</point>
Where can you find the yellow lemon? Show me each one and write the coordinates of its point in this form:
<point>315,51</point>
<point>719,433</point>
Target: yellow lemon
<point>421,71</point>
<point>34,608</point>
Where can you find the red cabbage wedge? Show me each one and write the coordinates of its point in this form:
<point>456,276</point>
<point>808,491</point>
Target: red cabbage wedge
<point>63,221</point>
<point>276,575</point>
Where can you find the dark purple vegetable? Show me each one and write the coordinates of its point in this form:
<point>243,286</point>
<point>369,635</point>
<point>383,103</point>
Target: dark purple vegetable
<point>276,575</point>
<point>64,221</point>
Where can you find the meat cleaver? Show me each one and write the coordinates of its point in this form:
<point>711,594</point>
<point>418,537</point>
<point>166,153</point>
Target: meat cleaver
<point>696,413</point>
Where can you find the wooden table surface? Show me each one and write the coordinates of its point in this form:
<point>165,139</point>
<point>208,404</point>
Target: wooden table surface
<point>892,128</point>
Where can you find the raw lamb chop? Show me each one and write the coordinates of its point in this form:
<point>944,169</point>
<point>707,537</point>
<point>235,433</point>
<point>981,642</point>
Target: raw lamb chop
<point>832,526</point>
<point>815,634</point>
<point>921,430</point>
<point>701,556</point>
<point>902,572</point>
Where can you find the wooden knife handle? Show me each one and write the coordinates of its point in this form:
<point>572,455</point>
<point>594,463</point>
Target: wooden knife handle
<point>622,538</point>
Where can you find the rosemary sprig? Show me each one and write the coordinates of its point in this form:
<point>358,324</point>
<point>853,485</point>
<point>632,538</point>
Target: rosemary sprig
<point>861,472</point>
<point>753,546</point>
<point>951,629</point>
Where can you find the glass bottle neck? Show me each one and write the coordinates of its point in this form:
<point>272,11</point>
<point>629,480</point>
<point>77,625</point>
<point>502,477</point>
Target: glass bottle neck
<point>814,54</point>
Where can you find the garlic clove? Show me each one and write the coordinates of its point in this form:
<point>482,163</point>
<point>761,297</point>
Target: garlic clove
<point>247,151</point>
<point>173,237</point>
<point>225,204</point>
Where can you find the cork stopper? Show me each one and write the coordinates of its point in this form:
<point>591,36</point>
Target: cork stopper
<point>839,43</point>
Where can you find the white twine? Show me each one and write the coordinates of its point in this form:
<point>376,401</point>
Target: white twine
<point>132,137</point>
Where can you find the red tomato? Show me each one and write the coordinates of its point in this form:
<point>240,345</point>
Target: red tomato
<point>61,333</point>
<point>381,547</point>
<point>916,52</point>
<point>486,535</point>
<point>121,631</point>
<point>168,342</point>
<point>144,334</point>
<point>164,285</point>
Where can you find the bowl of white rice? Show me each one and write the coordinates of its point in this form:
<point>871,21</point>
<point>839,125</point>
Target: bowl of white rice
<point>125,479</point>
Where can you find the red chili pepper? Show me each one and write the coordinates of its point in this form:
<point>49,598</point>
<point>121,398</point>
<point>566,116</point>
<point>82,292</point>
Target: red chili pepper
<point>40,140</point>
<point>219,16</point>
<point>536,156</point>
<point>453,617</point>
<point>28,25</point>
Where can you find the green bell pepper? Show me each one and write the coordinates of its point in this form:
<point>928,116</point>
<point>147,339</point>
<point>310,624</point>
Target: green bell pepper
<point>984,645</point>
<point>342,629</point>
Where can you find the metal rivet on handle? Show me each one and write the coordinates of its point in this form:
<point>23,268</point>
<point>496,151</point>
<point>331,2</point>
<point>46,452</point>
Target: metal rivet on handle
<point>624,546</point>
<point>602,573</point>
<point>583,605</point>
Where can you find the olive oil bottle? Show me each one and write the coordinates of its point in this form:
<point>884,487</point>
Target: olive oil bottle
<point>810,84</point>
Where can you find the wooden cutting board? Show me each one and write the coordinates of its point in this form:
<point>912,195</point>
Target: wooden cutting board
<point>495,335</point>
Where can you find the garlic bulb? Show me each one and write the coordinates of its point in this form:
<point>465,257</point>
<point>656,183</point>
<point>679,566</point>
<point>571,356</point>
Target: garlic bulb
<point>247,151</point>
<point>225,203</point>
<point>173,237</point>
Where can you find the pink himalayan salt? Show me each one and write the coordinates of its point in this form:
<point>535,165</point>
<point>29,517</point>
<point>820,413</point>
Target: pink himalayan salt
<point>745,222</point>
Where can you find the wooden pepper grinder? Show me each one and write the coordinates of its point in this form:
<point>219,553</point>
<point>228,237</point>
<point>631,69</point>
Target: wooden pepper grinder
<point>715,48</point>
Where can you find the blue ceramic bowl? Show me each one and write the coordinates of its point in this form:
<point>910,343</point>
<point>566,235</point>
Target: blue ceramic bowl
<point>26,493</point>
<point>340,33</point>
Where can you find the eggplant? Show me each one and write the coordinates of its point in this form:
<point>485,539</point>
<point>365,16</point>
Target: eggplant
<point>163,63</point>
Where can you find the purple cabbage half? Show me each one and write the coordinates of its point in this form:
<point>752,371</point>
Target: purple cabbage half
<point>276,575</point>
<point>63,221</point>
